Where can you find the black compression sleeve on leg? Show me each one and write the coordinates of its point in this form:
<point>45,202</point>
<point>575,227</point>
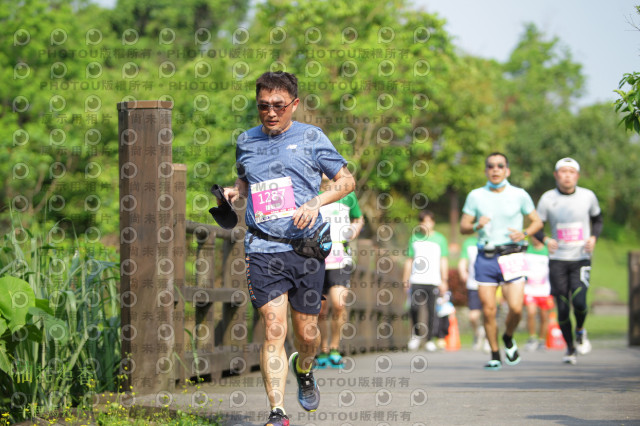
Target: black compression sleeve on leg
<point>564,320</point>
<point>579,302</point>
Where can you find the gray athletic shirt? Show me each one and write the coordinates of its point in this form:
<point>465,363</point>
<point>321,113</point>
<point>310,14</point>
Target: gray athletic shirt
<point>570,218</point>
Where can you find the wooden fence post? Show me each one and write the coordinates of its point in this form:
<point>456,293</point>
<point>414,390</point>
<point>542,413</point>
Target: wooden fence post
<point>634,298</point>
<point>146,238</point>
<point>179,191</point>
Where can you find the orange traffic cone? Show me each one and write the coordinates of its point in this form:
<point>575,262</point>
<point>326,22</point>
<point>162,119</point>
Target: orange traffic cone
<point>554,334</point>
<point>453,338</point>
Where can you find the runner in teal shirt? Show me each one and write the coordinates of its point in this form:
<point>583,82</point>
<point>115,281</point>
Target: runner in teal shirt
<point>496,211</point>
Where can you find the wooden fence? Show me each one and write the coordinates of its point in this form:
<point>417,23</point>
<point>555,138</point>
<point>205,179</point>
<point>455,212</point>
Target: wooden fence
<point>634,298</point>
<point>184,303</point>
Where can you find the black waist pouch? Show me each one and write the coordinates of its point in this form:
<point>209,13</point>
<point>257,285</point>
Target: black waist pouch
<point>510,249</point>
<point>502,250</point>
<point>317,246</point>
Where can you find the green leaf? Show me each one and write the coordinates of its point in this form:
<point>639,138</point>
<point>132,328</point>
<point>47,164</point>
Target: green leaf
<point>15,305</point>
<point>3,326</point>
<point>628,123</point>
<point>43,304</point>
<point>5,362</point>
<point>55,327</point>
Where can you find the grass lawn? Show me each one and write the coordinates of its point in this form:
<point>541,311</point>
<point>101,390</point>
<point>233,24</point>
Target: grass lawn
<point>605,327</point>
<point>610,267</point>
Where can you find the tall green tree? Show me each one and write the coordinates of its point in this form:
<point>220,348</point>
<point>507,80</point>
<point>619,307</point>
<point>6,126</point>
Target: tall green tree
<point>608,156</point>
<point>543,80</point>
<point>64,72</point>
<point>385,84</point>
<point>629,92</point>
<point>48,127</point>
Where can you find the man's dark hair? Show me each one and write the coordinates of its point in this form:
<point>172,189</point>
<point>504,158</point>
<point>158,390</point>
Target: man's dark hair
<point>497,153</point>
<point>426,213</point>
<point>278,80</point>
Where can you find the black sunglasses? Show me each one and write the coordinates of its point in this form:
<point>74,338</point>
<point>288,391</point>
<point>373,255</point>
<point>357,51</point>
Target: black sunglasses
<point>276,108</point>
<point>494,165</point>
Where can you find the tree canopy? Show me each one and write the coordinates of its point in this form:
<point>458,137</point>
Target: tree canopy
<point>413,116</point>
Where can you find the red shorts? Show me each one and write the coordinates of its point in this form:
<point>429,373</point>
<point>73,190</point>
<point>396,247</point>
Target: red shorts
<point>543,302</point>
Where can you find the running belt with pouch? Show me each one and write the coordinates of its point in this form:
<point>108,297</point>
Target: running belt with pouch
<point>502,250</point>
<point>224,213</point>
<point>317,246</point>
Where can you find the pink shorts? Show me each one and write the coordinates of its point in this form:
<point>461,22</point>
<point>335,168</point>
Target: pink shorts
<point>543,302</point>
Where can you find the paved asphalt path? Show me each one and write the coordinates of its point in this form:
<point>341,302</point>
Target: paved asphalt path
<point>446,388</point>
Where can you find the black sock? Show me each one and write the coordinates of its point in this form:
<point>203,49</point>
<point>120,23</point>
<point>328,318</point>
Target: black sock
<point>495,355</point>
<point>508,340</point>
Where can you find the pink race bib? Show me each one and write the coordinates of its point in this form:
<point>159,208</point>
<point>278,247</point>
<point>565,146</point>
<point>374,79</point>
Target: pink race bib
<point>337,254</point>
<point>273,199</point>
<point>512,266</point>
<point>569,233</point>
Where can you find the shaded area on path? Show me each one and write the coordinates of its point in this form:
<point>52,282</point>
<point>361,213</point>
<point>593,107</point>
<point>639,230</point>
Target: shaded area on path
<point>448,388</point>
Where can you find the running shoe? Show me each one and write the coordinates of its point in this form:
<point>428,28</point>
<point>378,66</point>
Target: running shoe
<point>414,343</point>
<point>478,339</point>
<point>532,344</point>
<point>430,346</point>
<point>512,356</point>
<point>277,418</point>
<point>322,360</point>
<point>494,364</point>
<point>477,344</point>
<point>570,357</point>
<point>583,345</point>
<point>335,359</point>
<point>308,392</point>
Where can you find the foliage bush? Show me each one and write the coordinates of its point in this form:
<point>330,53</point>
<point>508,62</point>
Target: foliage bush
<point>386,83</point>
<point>59,325</point>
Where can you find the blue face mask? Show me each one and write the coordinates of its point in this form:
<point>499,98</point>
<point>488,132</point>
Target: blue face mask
<point>497,185</point>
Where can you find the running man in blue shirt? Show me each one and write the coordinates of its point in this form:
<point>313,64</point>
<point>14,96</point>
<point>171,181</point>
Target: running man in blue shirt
<point>280,164</point>
<point>496,211</point>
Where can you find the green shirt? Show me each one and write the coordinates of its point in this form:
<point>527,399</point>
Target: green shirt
<point>544,250</point>
<point>426,251</point>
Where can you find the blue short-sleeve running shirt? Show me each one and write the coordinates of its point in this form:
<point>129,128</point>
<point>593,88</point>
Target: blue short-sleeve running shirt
<point>283,172</point>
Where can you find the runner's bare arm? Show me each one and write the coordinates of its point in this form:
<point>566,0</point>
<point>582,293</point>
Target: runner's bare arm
<point>444,270</point>
<point>356,226</point>
<point>342,184</point>
<point>467,225</point>
<point>406,272</point>
<point>535,225</point>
